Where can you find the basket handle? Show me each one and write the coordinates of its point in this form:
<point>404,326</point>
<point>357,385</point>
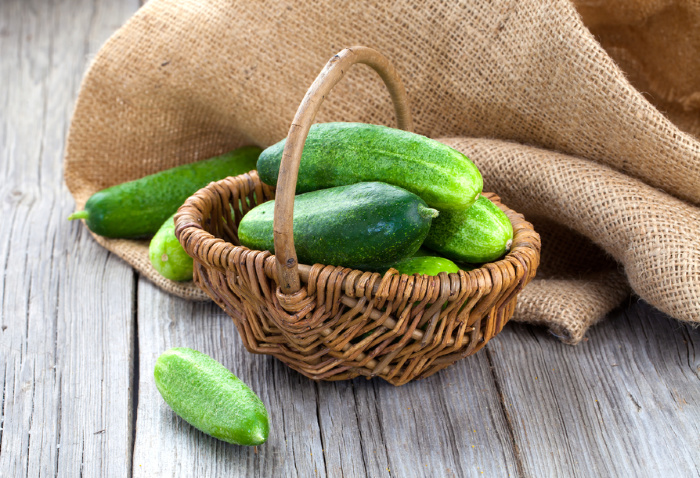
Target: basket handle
<point>287,265</point>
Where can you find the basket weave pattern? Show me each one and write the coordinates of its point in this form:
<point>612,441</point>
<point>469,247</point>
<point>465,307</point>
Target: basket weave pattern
<point>343,323</point>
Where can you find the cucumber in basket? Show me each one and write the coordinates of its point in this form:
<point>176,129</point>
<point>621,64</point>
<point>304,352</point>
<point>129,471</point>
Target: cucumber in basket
<point>138,208</point>
<point>425,265</point>
<point>337,154</point>
<point>365,226</point>
<point>482,233</point>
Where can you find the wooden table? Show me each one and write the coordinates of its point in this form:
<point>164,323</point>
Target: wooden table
<point>80,332</point>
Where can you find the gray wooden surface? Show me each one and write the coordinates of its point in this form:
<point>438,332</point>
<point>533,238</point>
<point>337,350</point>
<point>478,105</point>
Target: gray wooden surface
<point>80,333</point>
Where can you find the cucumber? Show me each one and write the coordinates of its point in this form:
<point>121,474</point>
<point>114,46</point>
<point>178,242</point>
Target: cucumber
<point>167,255</point>
<point>210,398</point>
<point>479,234</point>
<point>365,226</point>
<point>138,208</point>
<point>337,154</point>
<point>422,251</point>
<point>425,265</point>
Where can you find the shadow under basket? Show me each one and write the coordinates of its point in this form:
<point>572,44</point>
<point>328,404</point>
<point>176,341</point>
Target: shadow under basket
<point>343,323</point>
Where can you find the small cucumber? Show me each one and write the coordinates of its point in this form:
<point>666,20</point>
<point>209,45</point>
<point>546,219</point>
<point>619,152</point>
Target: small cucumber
<point>210,398</point>
<point>479,234</point>
<point>337,154</point>
<point>423,251</point>
<point>138,208</point>
<point>362,226</point>
<point>425,265</point>
<point>167,255</point>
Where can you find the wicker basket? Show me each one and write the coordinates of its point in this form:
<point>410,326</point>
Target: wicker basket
<point>335,323</point>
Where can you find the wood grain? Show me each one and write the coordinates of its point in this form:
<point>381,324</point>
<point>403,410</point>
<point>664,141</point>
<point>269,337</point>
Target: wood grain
<point>65,303</point>
<point>626,403</point>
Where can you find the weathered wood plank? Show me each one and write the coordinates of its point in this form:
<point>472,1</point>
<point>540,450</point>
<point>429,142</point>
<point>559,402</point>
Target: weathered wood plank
<point>167,446</point>
<point>626,403</point>
<point>65,343</point>
<point>450,424</point>
<point>95,346</point>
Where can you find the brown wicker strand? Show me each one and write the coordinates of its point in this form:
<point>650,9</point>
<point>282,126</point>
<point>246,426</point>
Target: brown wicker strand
<point>331,74</point>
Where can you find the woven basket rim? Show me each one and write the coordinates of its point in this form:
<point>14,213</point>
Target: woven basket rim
<point>201,249</point>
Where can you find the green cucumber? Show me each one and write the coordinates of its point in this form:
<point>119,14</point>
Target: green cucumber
<point>167,255</point>
<point>425,265</point>
<point>362,226</point>
<point>337,154</point>
<point>138,208</point>
<point>482,233</point>
<point>422,251</point>
<point>210,398</point>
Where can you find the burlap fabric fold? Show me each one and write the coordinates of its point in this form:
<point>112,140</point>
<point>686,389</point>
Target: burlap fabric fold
<point>523,87</point>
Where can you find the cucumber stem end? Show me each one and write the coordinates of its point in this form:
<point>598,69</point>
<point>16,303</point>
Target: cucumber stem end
<point>78,215</point>
<point>428,212</point>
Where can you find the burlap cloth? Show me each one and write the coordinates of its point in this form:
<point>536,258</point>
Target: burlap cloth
<point>585,121</point>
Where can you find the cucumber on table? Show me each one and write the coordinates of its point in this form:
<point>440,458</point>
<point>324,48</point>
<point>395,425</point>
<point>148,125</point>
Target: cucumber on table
<point>364,226</point>
<point>210,398</point>
<point>482,233</point>
<point>337,154</point>
<point>138,208</point>
<point>167,255</point>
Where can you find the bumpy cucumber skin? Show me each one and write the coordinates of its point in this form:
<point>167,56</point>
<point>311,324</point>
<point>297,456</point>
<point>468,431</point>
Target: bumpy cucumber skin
<point>337,154</point>
<point>210,398</point>
<point>167,255</point>
<point>479,234</point>
<point>425,265</point>
<point>362,226</point>
<point>424,251</point>
<point>138,208</point>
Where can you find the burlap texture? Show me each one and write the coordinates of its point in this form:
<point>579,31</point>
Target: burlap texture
<point>184,80</point>
<point>657,43</point>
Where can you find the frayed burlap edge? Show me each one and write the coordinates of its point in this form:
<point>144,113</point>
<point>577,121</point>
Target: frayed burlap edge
<point>135,253</point>
<point>586,301</point>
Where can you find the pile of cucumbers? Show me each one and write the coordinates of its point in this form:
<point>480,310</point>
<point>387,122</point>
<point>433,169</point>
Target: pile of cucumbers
<point>368,197</point>
<point>371,197</point>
